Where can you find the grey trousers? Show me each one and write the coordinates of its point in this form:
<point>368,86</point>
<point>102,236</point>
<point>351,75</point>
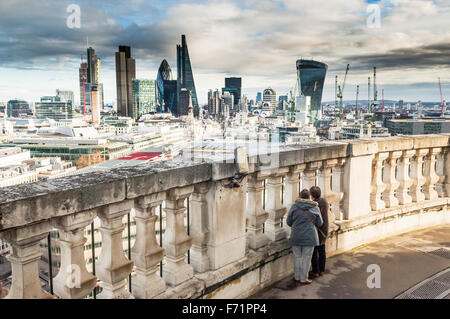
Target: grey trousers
<point>302,261</point>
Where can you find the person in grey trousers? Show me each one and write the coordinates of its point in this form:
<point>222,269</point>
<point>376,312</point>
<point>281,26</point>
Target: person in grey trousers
<point>303,217</point>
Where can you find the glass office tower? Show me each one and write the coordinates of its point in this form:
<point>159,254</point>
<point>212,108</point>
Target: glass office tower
<point>144,97</point>
<point>234,86</point>
<point>185,76</point>
<point>312,78</point>
<point>165,101</point>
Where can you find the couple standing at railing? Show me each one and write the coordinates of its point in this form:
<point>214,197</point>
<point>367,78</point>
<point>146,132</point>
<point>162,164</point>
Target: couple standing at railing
<point>308,219</point>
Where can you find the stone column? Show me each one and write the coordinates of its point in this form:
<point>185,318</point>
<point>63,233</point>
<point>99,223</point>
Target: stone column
<point>390,181</point>
<point>324,182</point>
<point>337,186</point>
<point>430,174</point>
<point>292,185</point>
<point>378,187</point>
<point>309,175</point>
<point>199,227</point>
<point>24,259</point>
<point>440,171</point>
<point>256,215</point>
<point>146,252</point>
<point>446,172</point>
<point>274,207</point>
<point>292,191</point>
<point>73,280</point>
<point>176,241</point>
<point>113,266</point>
<point>417,177</point>
<point>403,178</point>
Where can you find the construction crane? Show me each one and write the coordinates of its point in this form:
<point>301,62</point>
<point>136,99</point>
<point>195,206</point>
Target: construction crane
<point>292,97</point>
<point>341,91</point>
<point>382,93</point>
<point>356,108</point>
<point>336,93</point>
<point>375,91</point>
<point>442,101</point>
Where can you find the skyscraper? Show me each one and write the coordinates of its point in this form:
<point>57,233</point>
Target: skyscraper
<point>144,97</point>
<point>312,77</point>
<point>185,76</point>
<point>125,73</point>
<point>214,102</point>
<point>91,69</point>
<point>166,89</point>
<point>270,96</point>
<point>234,86</point>
<point>258,97</point>
<point>183,105</point>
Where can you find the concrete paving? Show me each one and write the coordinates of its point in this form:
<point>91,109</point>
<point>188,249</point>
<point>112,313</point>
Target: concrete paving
<point>404,261</point>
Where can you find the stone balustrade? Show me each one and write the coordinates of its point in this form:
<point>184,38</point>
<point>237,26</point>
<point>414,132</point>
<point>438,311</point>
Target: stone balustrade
<point>235,241</point>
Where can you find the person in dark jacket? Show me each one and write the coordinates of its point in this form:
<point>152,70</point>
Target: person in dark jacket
<point>302,218</point>
<point>319,255</point>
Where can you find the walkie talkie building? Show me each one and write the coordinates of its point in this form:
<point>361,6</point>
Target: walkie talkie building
<point>312,78</point>
<point>185,77</point>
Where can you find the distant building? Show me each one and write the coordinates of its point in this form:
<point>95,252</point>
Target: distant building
<point>214,100</point>
<point>144,97</point>
<point>18,108</point>
<point>185,76</point>
<point>125,73</point>
<point>166,89</point>
<point>258,97</point>
<point>66,96</point>
<point>226,104</point>
<point>312,78</point>
<point>90,70</point>
<point>183,104</point>
<point>418,126</point>
<point>282,102</point>
<point>270,96</point>
<point>53,107</point>
<point>234,86</point>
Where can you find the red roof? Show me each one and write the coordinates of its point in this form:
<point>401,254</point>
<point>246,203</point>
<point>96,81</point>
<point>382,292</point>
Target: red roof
<point>141,156</point>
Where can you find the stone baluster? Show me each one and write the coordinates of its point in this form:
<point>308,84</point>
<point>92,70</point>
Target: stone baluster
<point>403,178</point>
<point>146,252</point>
<point>324,182</point>
<point>430,174</point>
<point>390,180</point>
<point>24,258</point>
<point>309,175</point>
<point>417,177</point>
<point>337,186</point>
<point>378,186</point>
<point>292,181</point>
<point>256,215</point>
<point>199,227</point>
<point>276,210</point>
<point>176,240</point>
<point>73,280</point>
<point>440,171</point>
<point>113,266</point>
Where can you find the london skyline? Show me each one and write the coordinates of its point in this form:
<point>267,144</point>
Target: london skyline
<point>259,41</point>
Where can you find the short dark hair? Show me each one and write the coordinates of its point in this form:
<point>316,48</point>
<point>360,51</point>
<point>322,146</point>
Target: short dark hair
<point>304,194</point>
<point>315,192</point>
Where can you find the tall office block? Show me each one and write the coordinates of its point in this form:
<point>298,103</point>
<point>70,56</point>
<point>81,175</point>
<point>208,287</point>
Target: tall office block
<point>234,86</point>
<point>312,78</point>
<point>125,73</point>
<point>95,109</point>
<point>270,96</point>
<point>91,71</point>
<point>185,76</point>
<point>53,108</point>
<point>144,97</point>
<point>166,89</point>
<point>183,105</point>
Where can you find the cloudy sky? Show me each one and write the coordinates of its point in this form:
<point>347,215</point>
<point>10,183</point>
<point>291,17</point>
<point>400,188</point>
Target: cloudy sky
<point>258,40</point>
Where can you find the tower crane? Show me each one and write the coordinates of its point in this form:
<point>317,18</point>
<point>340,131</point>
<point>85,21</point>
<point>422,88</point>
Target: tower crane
<point>292,97</point>
<point>341,91</point>
<point>357,95</point>
<point>442,101</point>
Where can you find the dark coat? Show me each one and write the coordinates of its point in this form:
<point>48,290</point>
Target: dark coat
<point>324,208</point>
<point>303,232</point>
